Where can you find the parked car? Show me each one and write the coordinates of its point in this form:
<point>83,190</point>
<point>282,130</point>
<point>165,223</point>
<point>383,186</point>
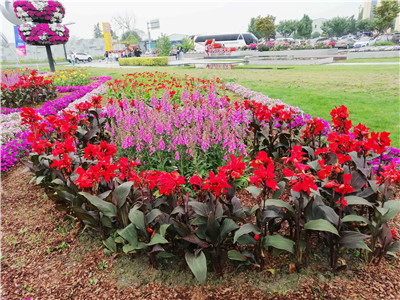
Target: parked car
<point>396,38</point>
<point>382,39</point>
<point>81,56</point>
<point>362,42</point>
<point>347,43</point>
<point>327,41</point>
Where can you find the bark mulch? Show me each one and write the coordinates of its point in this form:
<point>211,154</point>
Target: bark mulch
<point>43,257</point>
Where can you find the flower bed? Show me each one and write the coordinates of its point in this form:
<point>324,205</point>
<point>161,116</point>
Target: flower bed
<point>73,77</point>
<point>15,148</point>
<point>313,186</point>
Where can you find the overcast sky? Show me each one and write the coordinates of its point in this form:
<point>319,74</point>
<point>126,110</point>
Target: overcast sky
<point>193,17</point>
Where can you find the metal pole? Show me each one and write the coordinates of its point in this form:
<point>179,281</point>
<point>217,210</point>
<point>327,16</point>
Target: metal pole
<point>65,53</point>
<point>148,31</point>
<point>50,58</point>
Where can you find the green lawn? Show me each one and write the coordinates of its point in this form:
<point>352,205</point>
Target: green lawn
<point>367,60</point>
<point>371,92</point>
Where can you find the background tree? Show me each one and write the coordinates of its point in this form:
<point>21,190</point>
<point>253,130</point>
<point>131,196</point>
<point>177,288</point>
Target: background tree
<point>131,36</point>
<point>366,25</point>
<point>163,45</point>
<point>97,33</point>
<point>186,44</point>
<point>251,28</point>
<point>287,27</point>
<point>385,14</point>
<point>336,27</point>
<point>266,26</point>
<point>304,27</point>
<point>315,35</point>
<point>352,25</point>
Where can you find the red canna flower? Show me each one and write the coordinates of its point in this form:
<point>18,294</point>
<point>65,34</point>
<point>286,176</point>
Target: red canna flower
<point>168,183</point>
<point>313,128</point>
<point>339,119</point>
<point>196,181</point>
<point>261,159</point>
<point>296,157</point>
<point>302,181</point>
<point>325,170</point>
<point>379,141</point>
<point>341,188</point>
<point>234,168</point>
<point>389,174</point>
<point>85,179</point>
<point>64,147</point>
<point>217,184</point>
<point>41,146</point>
<point>64,163</point>
<point>265,176</point>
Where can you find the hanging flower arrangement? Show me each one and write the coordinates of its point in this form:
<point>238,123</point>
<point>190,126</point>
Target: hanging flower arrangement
<point>39,11</point>
<point>44,34</point>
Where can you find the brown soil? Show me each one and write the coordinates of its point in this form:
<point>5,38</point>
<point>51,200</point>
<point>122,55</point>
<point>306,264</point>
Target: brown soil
<point>44,257</point>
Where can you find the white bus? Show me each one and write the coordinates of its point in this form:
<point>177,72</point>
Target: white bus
<point>236,40</point>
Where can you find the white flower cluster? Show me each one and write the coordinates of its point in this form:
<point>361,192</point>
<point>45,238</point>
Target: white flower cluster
<point>10,126</point>
<point>39,4</point>
<point>26,29</point>
<point>22,14</point>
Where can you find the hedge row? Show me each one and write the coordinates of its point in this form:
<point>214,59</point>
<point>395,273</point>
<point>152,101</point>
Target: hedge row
<point>144,61</point>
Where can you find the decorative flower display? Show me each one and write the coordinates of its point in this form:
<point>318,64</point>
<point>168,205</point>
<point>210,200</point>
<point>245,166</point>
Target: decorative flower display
<point>39,11</point>
<point>44,34</point>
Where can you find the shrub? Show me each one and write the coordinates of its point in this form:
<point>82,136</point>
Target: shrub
<point>144,61</point>
<point>385,44</point>
<point>322,45</point>
<point>281,46</point>
<point>263,47</point>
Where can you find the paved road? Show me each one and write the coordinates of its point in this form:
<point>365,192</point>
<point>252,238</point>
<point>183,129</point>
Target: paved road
<point>364,64</point>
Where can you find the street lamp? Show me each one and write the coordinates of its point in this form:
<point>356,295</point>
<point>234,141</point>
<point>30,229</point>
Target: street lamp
<point>65,50</point>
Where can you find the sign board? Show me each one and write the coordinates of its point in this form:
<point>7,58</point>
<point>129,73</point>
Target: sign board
<point>107,36</point>
<point>20,46</point>
<point>155,24</point>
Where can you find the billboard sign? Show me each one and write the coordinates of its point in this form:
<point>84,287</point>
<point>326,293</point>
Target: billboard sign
<point>20,46</point>
<point>107,36</point>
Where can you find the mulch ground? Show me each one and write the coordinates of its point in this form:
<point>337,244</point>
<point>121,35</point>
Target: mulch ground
<point>40,259</point>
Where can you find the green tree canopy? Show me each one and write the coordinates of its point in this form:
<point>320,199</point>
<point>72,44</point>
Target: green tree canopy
<point>163,45</point>
<point>252,28</point>
<point>366,25</point>
<point>287,27</point>
<point>266,26</point>
<point>97,33</point>
<point>337,26</point>
<point>385,14</point>
<point>131,36</point>
<point>186,45</point>
<point>304,27</point>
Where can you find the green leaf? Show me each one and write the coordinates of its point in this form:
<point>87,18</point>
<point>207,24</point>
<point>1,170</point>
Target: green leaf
<point>110,244</point>
<point>236,255</point>
<point>58,181</point>
<point>278,193</point>
<point>194,239</point>
<point>121,192</point>
<point>107,208</point>
<point>228,225</point>
<point>129,233</point>
<point>255,191</point>
<point>246,228</point>
<point>279,242</point>
<point>348,237</point>
<point>137,218</point>
<point>321,225</point>
<point>278,203</point>
<point>163,229</point>
<point>157,239</point>
<point>152,215</point>
<point>355,218</point>
<point>354,200</point>
<point>39,179</point>
<point>393,207</point>
<point>356,245</point>
<point>198,266</point>
<point>199,208</point>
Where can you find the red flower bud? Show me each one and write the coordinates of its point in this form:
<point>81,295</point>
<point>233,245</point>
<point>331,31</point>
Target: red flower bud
<point>256,237</point>
<point>149,230</point>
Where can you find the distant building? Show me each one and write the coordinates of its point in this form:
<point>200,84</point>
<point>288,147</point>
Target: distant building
<point>368,13</point>
<point>317,24</point>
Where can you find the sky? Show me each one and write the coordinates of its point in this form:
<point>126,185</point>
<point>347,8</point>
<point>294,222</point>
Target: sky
<point>192,17</point>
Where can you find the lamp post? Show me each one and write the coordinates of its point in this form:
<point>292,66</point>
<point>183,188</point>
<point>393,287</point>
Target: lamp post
<point>65,50</point>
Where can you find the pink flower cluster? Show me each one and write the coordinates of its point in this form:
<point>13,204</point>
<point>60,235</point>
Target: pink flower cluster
<point>39,11</point>
<point>200,123</point>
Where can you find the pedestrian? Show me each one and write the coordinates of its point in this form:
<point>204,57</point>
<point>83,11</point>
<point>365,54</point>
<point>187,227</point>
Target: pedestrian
<point>180,53</point>
<point>72,58</point>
